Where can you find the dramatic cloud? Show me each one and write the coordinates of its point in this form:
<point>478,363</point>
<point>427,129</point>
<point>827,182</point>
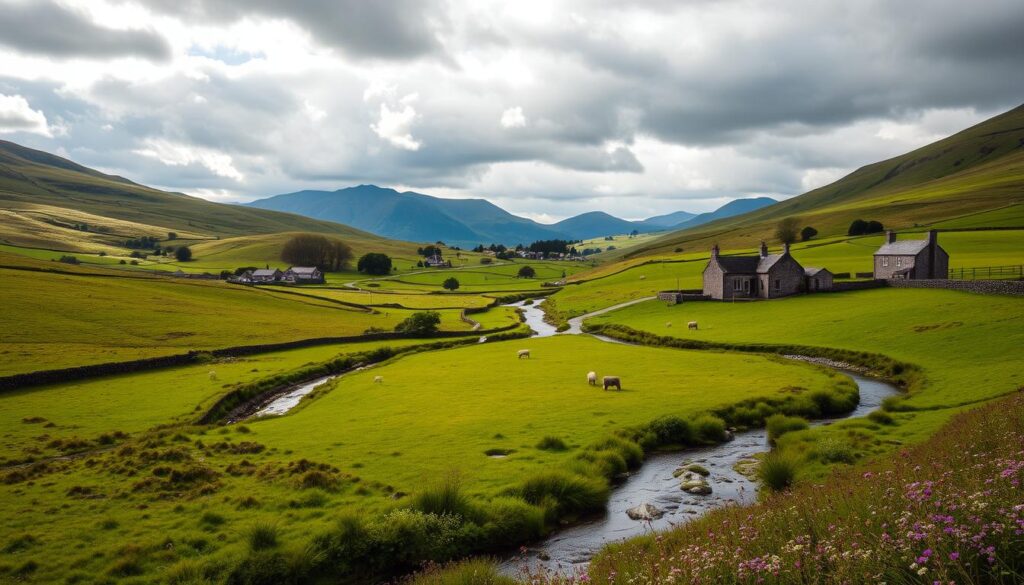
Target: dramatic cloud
<point>48,28</point>
<point>548,107</point>
<point>17,116</point>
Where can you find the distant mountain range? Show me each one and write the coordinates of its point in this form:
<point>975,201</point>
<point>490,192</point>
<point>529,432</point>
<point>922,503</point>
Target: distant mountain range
<point>417,217</point>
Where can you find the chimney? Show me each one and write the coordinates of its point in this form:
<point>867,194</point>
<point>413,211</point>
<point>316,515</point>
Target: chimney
<point>785,248</point>
<point>764,249</point>
<point>933,237</point>
<point>890,236</point>
<point>714,251</point>
<point>933,245</point>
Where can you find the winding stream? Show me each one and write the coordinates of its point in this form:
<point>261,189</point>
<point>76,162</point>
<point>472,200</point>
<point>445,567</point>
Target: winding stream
<point>571,549</point>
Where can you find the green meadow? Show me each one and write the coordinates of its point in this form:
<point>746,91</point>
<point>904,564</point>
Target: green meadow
<point>180,492</point>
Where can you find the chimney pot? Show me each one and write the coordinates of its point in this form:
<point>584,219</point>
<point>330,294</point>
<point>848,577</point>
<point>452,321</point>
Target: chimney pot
<point>785,248</point>
<point>764,249</point>
<point>714,251</point>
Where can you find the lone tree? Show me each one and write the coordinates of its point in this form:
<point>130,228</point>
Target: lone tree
<point>374,263</point>
<point>316,250</point>
<point>451,283</point>
<point>420,323</point>
<point>527,272</point>
<point>807,233</point>
<point>787,230</point>
<point>183,253</point>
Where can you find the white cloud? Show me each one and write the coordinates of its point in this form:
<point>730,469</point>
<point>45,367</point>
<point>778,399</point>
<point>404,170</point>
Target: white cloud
<point>178,155</point>
<point>513,118</point>
<point>394,126</point>
<point>16,115</point>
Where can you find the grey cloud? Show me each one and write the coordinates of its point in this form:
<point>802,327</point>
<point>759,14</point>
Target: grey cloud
<point>50,29</point>
<point>385,29</point>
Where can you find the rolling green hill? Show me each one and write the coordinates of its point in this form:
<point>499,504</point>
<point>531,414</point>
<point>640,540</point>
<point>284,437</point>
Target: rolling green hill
<point>974,178</point>
<point>30,178</point>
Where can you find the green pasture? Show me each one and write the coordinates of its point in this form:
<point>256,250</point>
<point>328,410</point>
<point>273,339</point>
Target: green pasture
<point>135,402</point>
<point>969,346</point>
<point>60,320</point>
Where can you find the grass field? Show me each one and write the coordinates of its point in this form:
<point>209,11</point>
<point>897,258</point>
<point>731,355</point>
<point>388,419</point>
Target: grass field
<point>435,413</point>
<point>62,320</point>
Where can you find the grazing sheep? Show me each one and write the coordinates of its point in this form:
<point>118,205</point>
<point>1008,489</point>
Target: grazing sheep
<point>378,379</point>
<point>691,325</point>
<point>643,277</point>
<point>524,353</point>
<point>213,376</point>
<point>668,324</point>
<point>592,378</point>
<point>610,381</point>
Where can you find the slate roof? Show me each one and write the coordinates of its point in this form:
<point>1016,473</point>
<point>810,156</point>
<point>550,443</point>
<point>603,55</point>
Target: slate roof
<point>264,272</point>
<point>303,269</point>
<point>748,264</point>
<point>814,271</point>
<point>902,248</point>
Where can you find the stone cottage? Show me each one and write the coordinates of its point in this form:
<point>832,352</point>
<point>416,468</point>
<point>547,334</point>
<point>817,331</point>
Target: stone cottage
<point>911,259</point>
<point>765,276</point>
<point>303,275</point>
<point>818,279</point>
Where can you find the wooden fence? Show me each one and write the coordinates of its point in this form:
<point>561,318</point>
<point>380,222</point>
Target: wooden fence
<point>1012,272</point>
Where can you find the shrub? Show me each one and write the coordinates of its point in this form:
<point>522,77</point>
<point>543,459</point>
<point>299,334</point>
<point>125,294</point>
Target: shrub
<point>780,424</point>
<point>807,233</point>
<point>833,450</point>
<point>374,263</point>
<point>262,536</point>
<point>630,452</point>
<point>420,322</point>
<point>881,417</point>
<point>551,443</point>
<point>510,520</point>
<point>777,471</point>
<point>566,493</point>
<point>708,428</point>
<point>444,498</point>
<point>671,430</point>
<point>486,260</point>
<point>451,283</point>
<point>526,272</point>
<point>183,253</point>
<point>69,260</point>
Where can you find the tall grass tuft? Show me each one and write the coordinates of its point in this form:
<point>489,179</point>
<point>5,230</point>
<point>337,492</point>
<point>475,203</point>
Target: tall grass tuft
<point>262,536</point>
<point>777,471</point>
<point>552,443</point>
<point>445,498</point>
<point>567,494</point>
<point>472,572</point>
<point>780,424</point>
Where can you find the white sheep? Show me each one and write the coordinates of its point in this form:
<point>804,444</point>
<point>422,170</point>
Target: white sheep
<point>213,376</point>
<point>668,324</point>
<point>643,277</point>
<point>378,379</point>
<point>691,325</point>
<point>592,378</point>
<point>524,353</point>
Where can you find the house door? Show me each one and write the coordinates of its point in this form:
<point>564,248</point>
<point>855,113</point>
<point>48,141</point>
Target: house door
<point>746,286</point>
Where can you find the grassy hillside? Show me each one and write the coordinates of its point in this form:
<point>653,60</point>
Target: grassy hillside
<point>39,187</point>
<point>973,178</point>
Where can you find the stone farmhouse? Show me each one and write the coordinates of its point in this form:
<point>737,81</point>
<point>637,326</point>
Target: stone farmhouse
<point>765,276</point>
<point>911,259</point>
<point>303,275</point>
<point>264,275</point>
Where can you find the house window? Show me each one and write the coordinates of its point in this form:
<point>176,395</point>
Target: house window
<point>778,284</point>
<point>885,261</point>
<point>737,285</point>
<point>899,262</point>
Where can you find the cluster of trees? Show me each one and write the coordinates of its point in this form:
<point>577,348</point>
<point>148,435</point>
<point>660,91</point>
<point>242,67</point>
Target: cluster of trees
<point>374,263</point>
<point>493,248</point>
<point>859,227</point>
<point>315,250</point>
<point>589,251</point>
<point>144,242</point>
<point>428,251</point>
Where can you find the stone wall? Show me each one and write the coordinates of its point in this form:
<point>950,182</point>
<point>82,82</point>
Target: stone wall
<point>987,287</point>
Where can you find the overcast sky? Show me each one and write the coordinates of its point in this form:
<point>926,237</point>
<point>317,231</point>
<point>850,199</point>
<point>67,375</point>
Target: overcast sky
<point>547,108</point>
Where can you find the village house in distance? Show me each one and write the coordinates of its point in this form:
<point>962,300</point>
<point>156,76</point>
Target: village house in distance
<point>911,259</point>
<point>294,275</point>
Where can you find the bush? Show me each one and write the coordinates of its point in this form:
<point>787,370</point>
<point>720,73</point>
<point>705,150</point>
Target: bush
<point>780,424</point>
<point>526,272</point>
<point>374,263</point>
<point>833,450</point>
<point>445,498</point>
<point>511,521</point>
<point>708,428</point>
<point>550,443</point>
<point>451,283</point>
<point>807,233</point>
<point>777,471</point>
<point>566,494</point>
<point>486,260</point>
<point>262,536</point>
<point>419,323</point>
<point>881,417</point>
<point>183,253</point>
<point>860,227</point>
<point>69,260</point>
<point>671,430</point>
